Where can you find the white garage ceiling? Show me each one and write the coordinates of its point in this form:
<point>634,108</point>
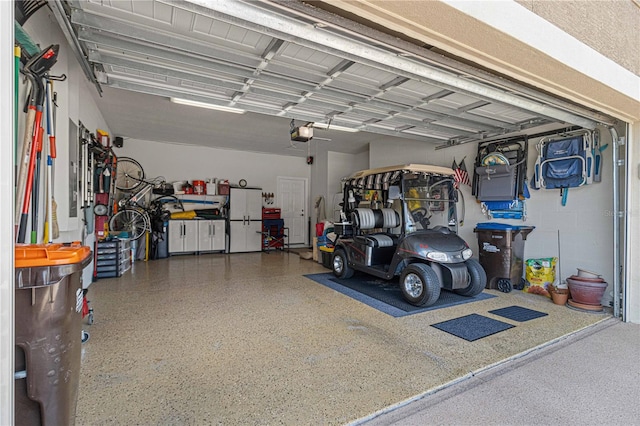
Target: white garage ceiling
<point>284,60</point>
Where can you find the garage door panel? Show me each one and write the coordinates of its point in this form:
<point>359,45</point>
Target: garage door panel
<point>289,64</point>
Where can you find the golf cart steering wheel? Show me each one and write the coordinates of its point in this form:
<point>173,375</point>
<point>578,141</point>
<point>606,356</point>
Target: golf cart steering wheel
<point>421,215</point>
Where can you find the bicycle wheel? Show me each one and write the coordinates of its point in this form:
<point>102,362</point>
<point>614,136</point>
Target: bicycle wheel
<point>132,221</point>
<point>129,174</point>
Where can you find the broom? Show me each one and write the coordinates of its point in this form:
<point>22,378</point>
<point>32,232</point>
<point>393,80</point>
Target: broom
<point>52,216</point>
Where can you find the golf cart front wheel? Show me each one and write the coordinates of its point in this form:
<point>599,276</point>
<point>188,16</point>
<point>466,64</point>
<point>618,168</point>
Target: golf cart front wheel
<point>420,285</point>
<point>477,279</point>
<point>504,285</point>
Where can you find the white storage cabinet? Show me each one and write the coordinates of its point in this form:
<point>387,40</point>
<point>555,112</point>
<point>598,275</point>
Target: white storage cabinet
<point>211,235</point>
<point>183,236</point>
<point>195,236</point>
<point>245,220</point>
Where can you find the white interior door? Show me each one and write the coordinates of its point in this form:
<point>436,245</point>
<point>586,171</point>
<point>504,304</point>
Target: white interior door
<point>292,199</point>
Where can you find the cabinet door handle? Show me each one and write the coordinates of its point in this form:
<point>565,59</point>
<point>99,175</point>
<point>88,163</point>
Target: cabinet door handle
<point>212,229</point>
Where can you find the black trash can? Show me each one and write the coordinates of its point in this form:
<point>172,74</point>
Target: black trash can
<point>501,248</point>
<point>48,331</point>
<point>160,242</point>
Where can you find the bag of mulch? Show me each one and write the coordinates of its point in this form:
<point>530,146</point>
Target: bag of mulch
<point>540,275</point>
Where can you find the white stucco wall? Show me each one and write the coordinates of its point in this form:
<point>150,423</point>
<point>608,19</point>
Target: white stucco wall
<point>177,162</point>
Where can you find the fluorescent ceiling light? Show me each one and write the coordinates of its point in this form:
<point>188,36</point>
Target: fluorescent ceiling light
<point>334,127</point>
<point>208,106</point>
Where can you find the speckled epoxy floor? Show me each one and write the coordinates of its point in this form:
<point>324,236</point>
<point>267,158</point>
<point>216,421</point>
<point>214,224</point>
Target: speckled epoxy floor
<point>246,339</point>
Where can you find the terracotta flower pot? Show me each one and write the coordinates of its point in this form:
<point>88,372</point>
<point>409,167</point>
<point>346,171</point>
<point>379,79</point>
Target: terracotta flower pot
<point>559,296</point>
<point>587,292</point>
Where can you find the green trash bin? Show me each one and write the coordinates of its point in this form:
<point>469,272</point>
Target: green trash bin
<point>48,331</point>
<point>501,252</point>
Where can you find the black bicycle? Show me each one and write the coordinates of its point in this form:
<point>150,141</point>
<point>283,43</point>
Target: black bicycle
<point>135,216</point>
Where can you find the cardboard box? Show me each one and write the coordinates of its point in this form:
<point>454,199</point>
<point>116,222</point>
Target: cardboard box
<point>315,249</point>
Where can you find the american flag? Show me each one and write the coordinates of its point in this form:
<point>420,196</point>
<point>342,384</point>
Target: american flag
<point>461,176</point>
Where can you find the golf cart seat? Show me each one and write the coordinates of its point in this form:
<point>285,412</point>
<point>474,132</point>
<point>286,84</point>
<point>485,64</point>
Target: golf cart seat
<point>366,219</point>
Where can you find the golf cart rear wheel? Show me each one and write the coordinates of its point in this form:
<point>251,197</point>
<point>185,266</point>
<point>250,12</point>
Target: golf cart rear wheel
<point>477,279</point>
<point>340,265</point>
<point>420,285</point>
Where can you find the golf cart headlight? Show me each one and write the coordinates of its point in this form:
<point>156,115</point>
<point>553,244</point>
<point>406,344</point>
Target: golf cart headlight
<point>438,256</point>
<point>467,253</point>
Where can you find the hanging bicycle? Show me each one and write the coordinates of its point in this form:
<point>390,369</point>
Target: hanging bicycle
<point>129,174</point>
<point>135,215</point>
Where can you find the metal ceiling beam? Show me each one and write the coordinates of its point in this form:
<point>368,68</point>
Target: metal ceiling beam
<point>133,63</point>
<point>269,53</point>
<point>63,21</point>
<point>331,75</point>
<point>254,18</point>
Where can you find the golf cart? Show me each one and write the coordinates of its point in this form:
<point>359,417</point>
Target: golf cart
<point>402,221</point>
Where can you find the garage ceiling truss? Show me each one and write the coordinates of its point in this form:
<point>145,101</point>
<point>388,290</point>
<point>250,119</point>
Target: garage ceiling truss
<point>264,58</point>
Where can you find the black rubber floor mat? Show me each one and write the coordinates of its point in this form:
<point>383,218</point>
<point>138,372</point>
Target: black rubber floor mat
<point>386,295</point>
<point>472,327</point>
<point>518,313</point>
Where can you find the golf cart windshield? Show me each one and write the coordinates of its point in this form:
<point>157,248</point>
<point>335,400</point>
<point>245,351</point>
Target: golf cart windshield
<point>429,202</point>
